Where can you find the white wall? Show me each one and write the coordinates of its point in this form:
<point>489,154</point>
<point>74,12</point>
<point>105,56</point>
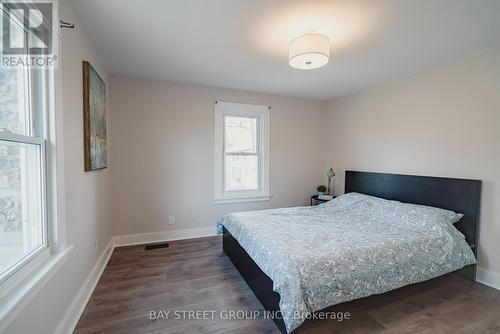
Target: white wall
<point>88,195</point>
<point>445,122</point>
<point>163,153</point>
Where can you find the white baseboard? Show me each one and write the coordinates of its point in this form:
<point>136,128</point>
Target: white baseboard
<point>488,277</point>
<point>75,310</point>
<point>144,238</point>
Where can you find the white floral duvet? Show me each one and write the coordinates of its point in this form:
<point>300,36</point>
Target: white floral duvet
<point>351,247</point>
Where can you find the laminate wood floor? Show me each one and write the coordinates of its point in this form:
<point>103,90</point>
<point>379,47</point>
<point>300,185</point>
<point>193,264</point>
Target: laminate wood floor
<point>195,275</point>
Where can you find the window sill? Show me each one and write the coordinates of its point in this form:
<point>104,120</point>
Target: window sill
<point>254,198</point>
<point>21,293</point>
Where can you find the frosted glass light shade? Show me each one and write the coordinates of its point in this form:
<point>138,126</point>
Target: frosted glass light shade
<point>309,51</point>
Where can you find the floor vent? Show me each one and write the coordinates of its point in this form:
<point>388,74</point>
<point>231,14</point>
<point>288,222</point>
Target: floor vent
<point>156,246</point>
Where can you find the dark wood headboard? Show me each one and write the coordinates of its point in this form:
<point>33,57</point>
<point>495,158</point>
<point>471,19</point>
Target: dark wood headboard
<point>459,195</point>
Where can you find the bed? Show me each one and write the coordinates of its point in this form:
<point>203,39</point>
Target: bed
<point>369,241</point>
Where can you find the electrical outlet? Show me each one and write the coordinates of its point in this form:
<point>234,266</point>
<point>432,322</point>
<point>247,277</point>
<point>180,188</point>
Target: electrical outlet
<point>96,244</point>
<point>171,220</point>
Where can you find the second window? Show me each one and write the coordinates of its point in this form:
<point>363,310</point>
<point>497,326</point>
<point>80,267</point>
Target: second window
<point>242,136</point>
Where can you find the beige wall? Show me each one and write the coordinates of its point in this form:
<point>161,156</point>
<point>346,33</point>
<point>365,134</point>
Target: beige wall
<point>163,153</point>
<point>87,196</point>
<point>445,122</point>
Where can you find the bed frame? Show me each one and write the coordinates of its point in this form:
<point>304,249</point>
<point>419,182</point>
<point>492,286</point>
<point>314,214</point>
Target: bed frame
<point>458,195</point>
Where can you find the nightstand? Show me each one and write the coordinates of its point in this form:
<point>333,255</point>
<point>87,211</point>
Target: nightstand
<point>316,201</point>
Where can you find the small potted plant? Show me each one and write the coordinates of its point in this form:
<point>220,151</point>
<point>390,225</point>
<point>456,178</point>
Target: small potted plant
<point>321,190</point>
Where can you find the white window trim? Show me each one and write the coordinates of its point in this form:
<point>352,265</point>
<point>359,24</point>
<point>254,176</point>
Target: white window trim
<point>263,115</point>
<point>30,279</point>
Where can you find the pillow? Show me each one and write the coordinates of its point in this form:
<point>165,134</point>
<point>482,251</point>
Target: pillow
<point>394,209</point>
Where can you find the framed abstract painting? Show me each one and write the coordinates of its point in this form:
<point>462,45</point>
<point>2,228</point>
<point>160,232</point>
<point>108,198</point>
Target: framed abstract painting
<point>94,119</point>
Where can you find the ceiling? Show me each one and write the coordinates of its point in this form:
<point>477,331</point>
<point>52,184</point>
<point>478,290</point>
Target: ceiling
<point>243,44</point>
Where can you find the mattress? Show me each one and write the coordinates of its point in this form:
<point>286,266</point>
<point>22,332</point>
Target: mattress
<point>351,247</point>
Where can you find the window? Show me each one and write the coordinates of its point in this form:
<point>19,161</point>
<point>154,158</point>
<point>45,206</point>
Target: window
<point>241,152</point>
<point>23,208</point>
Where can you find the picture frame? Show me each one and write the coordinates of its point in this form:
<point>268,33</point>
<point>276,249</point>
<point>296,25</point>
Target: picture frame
<point>94,119</point>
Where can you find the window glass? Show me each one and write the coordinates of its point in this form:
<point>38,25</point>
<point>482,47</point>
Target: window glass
<point>21,213</point>
<point>240,134</point>
<point>23,110</point>
<point>14,115</point>
<point>242,172</point>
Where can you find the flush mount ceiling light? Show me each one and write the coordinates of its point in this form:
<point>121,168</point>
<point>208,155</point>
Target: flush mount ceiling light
<point>309,51</point>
